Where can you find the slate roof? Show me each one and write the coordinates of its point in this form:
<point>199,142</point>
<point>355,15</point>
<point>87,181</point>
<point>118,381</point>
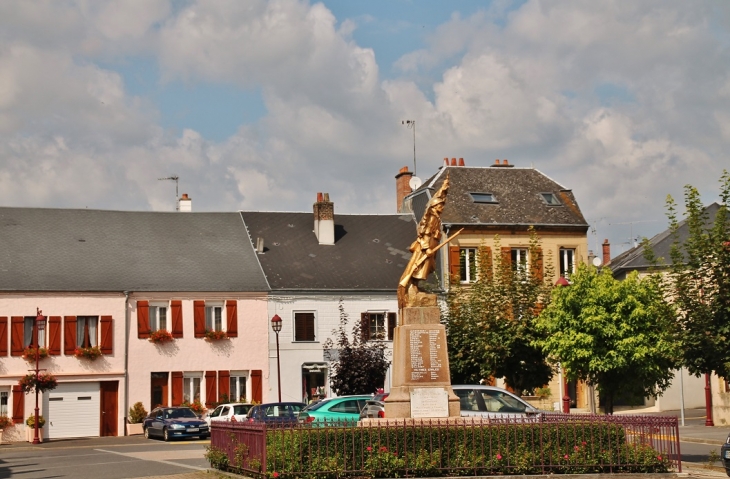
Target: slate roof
<point>661,243</point>
<point>517,193</point>
<point>93,250</point>
<point>369,254</point>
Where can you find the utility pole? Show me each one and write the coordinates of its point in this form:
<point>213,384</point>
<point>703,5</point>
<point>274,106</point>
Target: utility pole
<point>174,178</point>
<point>412,124</point>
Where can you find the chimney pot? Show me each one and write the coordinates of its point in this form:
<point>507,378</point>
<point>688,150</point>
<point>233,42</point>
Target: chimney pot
<point>185,204</point>
<point>446,162</point>
<point>453,162</point>
<point>496,162</point>
<point>319,197</point>
<point>505,162</point>
<point>461,161</point>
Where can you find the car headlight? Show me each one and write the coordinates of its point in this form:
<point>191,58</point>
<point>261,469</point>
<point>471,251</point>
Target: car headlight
<point>203,426</point>
<point>177,426</point>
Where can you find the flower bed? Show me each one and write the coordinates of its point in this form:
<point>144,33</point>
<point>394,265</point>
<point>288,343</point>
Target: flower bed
<point>161,336</point>
<point>29,354</point>
<point>215,335</point>
<point>92,352</point>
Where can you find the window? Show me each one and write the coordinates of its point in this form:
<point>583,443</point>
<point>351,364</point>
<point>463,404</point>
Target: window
<point>86,327</point>
<point>567,262</point>
<point>377,325</point>
<point>4,403</point>
<point>158,317</point>
<point>483,197</point>
<point>519,259</point>
<point>28,339</point>
<point>214,317</point>
<point>238,388</point>
<point>304,327</point>
<point>468,264</point>
<point>191,388</point>
<point>550,199</point>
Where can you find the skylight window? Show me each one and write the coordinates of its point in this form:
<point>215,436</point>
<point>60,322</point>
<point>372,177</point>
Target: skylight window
<point>483,197</point>
<point>550,199</point>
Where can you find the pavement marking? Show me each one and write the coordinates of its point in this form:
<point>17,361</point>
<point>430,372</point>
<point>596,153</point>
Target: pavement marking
<point>147,456</point>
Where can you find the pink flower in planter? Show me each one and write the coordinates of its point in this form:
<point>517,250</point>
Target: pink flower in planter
<point>565,457</point>
<point>368,449</point>
<point>499,457</point>
<point>383,449</point>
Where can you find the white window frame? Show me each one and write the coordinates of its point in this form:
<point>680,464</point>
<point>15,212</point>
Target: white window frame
<point>241,379</point>
<point>378,335</point>
<point>516,254</point>
<point>93,336</point>
<point>210,316</point>
<point>189,383</point>
<point>28,325</point>
<point>465,272</point>
<point>564,263</point>
<point>5,401</point>
<point>155,316</point>
<point>553,199</point>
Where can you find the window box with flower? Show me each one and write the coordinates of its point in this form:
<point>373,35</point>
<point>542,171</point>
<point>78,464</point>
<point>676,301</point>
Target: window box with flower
<point>161,336</point>
<point>30,353</point>
<point>212,335</point>
<point>91,352</point>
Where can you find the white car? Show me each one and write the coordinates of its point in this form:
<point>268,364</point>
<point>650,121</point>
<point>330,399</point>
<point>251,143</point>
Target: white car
<point>226,412</point>
<point>490,401</point>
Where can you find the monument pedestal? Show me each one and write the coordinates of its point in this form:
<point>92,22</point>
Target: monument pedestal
<point>421,381</point>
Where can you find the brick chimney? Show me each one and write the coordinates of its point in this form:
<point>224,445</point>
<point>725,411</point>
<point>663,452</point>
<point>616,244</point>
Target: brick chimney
<point>606,252</point>
<point>185,204</point>
<point>324,219</point>
<point>503,164</point>
<point>402,187</point>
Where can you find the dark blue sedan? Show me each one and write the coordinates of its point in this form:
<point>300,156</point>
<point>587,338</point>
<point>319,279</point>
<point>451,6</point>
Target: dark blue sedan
<point>174,422</point>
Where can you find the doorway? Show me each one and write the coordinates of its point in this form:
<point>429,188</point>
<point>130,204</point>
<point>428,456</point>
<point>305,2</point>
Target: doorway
<point>314,381</point>
<point>159,389</point>
<point>109,412</point>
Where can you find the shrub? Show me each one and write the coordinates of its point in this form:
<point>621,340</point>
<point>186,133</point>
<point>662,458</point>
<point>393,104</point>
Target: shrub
<point>137,413</point>
<point>6,422</point>
<point>217,457</point>
<point>30,422</point>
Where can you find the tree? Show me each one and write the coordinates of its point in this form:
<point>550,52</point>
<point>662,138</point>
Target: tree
<point>699,281</point>
<point>358,366</point>
<point>489,323</point>
<point>619,336</point>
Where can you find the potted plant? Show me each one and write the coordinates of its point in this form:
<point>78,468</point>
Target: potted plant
<point>30,430</point>
<point>215,335</point>
<point>196,406</point>
<point>5,423</point>
<point>30,353</point>
<point>161,336</point>
<point>136,416</point>
<point>91,352</point>
<point>44,382</point>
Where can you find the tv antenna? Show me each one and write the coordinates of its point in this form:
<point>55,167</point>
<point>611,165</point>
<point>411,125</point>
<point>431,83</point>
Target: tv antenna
<point>174,178</point>
<point>412,124</point>
<point>632,240</point>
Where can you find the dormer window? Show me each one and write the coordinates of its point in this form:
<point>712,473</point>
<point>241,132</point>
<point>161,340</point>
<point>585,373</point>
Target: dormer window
<point>550,199</point>
<point>483,197</point>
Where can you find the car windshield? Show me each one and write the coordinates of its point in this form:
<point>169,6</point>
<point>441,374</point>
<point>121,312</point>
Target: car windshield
<point>179,413</point>
<point>241,409</point>
<point>497,401</point>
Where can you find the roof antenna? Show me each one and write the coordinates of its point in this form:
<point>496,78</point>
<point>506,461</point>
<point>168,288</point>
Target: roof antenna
<point>412,124</point>
<point>175,178</point>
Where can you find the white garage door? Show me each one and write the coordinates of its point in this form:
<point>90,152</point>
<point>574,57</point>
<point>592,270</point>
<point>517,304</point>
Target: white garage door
<point>73,410</point>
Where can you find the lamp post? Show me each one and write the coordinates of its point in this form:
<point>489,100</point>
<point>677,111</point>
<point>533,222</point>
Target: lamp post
<point>276,326</point>
<point>40,325</point>
<point>566,394</point>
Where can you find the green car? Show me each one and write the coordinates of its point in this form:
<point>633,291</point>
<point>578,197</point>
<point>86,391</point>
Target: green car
<point>339,409</point>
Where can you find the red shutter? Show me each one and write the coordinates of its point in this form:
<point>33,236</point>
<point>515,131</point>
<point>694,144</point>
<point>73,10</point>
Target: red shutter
<point>454,263</point>
<point>107,335</point>
<point>256,389</point>
<point>18,405</point>
<point>224,385</point>
<point>4,336</point>
<point>210,389</point>
<point>177,388</point>
<point>364,327</point>
<point>16,336</point>
<point>232,313</point>
<point>177,319</point>
<point>199,318</point>
<point>392,320</point>
<point>54,335</point>
<point>537,267</point>
<point>143,319</point>
<point>69,335</point>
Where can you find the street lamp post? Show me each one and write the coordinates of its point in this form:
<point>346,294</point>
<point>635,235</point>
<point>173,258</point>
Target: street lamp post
<point>40,325</point>
<point>276,326</point>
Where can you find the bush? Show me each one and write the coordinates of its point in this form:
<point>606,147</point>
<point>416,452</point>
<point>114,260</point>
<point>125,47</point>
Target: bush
<point>137,413</point>
<point>217,457</point>
<point>30,422</point>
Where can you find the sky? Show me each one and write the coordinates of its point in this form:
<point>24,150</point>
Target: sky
<point>259,105</point>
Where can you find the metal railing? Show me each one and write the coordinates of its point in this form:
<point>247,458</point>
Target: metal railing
<point>547,444</point>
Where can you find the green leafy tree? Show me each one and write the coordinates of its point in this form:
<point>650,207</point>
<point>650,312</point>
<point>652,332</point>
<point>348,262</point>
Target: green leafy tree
<point>358,366</point>
<point>490,323</point>
<point>619,336</point>
<point>699,282</point>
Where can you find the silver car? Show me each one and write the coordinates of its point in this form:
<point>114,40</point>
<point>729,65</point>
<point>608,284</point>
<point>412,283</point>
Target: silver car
<point>491,401</point>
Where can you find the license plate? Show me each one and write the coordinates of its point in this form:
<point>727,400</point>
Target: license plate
<point>193,429</point>
<point>727,454</point>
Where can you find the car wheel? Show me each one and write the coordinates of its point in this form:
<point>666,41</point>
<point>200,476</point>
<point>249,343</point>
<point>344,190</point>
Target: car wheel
<point>146,433</point>
<point>165,435</point>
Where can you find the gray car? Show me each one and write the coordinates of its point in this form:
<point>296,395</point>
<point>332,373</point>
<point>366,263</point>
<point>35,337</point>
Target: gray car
<point>375,407</point>
<point>490,401</point>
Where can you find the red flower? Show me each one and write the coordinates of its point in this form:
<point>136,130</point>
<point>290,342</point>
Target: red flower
<point>499,457</point>
<point>383,449</point>
<point>368,449</point>
<point>659,457</point>
<point>275,474</point>
<point>565,457</point>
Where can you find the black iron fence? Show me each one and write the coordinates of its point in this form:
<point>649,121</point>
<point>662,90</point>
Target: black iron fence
<point>547,444</point>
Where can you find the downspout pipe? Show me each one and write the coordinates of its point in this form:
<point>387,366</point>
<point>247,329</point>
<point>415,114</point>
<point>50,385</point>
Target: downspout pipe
<point>126,359</point>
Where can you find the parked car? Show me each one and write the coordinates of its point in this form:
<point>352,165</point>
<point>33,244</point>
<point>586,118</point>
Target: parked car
<point>227,412</point>
<point>343,408</point>
<point>491,401</point>
<point>174,422</point>
<point>725,455</point>
<point>374,407</point>
<point>275,413</point>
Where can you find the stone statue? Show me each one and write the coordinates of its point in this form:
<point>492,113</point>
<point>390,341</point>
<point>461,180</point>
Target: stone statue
<point>424,248</point>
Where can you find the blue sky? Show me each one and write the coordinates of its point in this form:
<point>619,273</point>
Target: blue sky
<point>259,105</point>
